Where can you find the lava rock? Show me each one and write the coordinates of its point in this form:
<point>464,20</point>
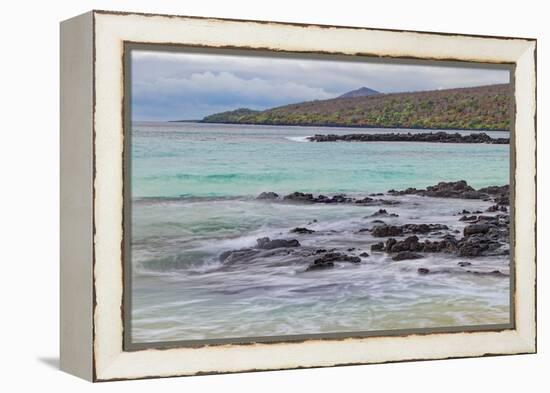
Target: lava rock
<point>393,230</point>
<point>299,197</point>
<point>232,256</point>
<point>476,228</point>
<point>268,195</point>
<point>337,257</point>
<point>496,273</point>
<point>386,230</point>
<point>468,218</point>
<point>383,213</point>
<point>301,230</point>
<point>320,266</point>
<point>460,189</point>
<point>266,243</point>
<point>438,137</point>
<point>364,201</point>
<point>404,255</point>
<point>496,208</point>
<point>327,260</point>
<point>423,228</point>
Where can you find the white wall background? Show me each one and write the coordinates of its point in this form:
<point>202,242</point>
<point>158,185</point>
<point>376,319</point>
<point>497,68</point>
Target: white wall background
<point>29,195</point>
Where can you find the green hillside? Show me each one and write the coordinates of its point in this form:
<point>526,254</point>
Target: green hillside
<point>484,107</point>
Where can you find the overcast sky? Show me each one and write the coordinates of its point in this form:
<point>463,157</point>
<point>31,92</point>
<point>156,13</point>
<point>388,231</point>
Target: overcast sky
<point>176,85</point>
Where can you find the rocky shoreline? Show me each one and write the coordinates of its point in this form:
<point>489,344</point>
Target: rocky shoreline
<point>434,137</point>
<point>485,233</point>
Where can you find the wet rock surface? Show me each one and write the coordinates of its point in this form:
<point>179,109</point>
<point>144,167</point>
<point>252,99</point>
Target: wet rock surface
<point>266,243</point>
<point>437,137</point>
<point>398,230</point>
<point>328,260</point>
<point>403,255</point>
<point>492,273</point>
<point>477,234</point>
<point>383,213</point>
<point>476,228</point>
<point>468,218</point>
<point>303,197</point>
<point>307,197</point>
<point>268,195</point>
<point>386,230</point>
<point>460,189</point>
<point>483,235</point>
<point>302,231</point>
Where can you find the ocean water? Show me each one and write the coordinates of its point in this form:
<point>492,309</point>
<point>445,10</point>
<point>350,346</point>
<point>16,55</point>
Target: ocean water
<point>193,197</point>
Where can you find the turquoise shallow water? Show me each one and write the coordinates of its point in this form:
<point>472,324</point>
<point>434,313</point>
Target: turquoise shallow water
<point>193,189</point>
<point>188,159</point>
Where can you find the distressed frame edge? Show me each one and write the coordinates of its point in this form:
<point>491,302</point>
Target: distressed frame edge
<point>76,196</point>
<point>526,120</point>
<point>304,24</point>
<point>527,339</point>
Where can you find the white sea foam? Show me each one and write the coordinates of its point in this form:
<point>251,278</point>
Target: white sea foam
<point>298,138</point>
<point>272,295</point>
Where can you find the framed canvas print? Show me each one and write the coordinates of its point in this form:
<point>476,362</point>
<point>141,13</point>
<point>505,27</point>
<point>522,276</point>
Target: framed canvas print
<point>247,195</point>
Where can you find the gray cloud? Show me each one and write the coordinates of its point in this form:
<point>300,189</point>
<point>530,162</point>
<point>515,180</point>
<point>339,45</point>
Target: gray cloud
<point>178,85</point>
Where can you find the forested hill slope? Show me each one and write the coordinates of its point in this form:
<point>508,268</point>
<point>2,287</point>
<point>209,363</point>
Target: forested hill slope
<point>484,107</point>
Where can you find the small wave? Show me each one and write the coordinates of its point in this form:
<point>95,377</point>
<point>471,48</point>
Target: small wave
<point>298,138</point>
<point>220,178</point>
<point>189,198</point>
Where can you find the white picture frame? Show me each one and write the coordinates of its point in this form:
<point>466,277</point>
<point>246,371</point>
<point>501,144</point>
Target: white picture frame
<point>92,197</point>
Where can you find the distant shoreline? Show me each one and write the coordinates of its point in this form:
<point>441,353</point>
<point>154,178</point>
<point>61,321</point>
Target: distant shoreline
<point>338,126</point>
<point>437,137</point>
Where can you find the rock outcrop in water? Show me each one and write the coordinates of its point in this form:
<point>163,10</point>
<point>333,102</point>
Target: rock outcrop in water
<point>268,195</point>
<point>302,231</point>
<point>460,189</point>
<point>487,236</point>
<point>306,197</point>
<point>398,230</point>
<point>383,213</point>
<point>483,235</point>
<point>301,197</point>
<point>403,255</point>
<point>328,259</point>
<point>434,137</point>
<point>266,243</point>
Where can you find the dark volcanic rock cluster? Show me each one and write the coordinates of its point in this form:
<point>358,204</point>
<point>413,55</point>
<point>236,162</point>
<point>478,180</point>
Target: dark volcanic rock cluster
<point>438,137</point>
<point>482,235</point>
<point>328,259</point>
<point>266,243</point>
<point>266,247</point>
<point>486,236</point>
<point>399,230</point>
<point>460,189</point>
<point>302,197</point>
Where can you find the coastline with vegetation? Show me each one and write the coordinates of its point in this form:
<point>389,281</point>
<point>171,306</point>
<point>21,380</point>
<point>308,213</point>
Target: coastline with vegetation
<point>472,108</point>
